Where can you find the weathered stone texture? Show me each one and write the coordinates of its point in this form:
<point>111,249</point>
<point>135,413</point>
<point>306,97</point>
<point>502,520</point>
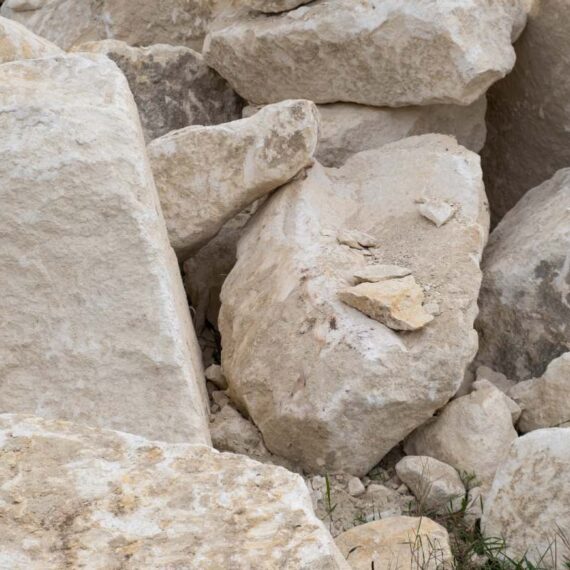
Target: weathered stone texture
<point>95,325</point>
<point>309,369</point>
<point>74,497</point>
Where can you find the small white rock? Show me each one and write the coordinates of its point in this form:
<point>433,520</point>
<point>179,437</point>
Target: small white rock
<point>215,375</point>
<point>377,273</point>
<point>356,239</point>
<point>355,487</point>
<point>438,213</point>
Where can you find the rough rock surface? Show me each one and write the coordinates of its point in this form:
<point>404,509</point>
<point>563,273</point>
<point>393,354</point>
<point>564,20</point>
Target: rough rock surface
<point>75,497</point>
<point>206,175</point>
<point>472,433</point>
<point>528,503</point>
<point>95,323</point>
<point>274,6</point>
<point>347,128</point>
<point>321,369</point>
<point>398,543</point>
<point>396,303</point>
<point>17,42</point>
<point>436,485</point>
<point>172,86</point>
<point>137,22</point>
<point>545,401</point>
<point>529,130</point>
<point>423,53</point>
<point>525,296</point>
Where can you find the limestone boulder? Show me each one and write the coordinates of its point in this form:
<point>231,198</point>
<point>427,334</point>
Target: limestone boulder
<point>309,369</point>
<point>347,128</point>
<point>436,485</point>
<point>397,543</point>
<point>525,308</point>
<point>472,433</point>
<point>372,52</point>
<point>172,86</point>
<point>77,497</point>
<point>96,328</point>
<point>528,502</point>
<point>137,22</point>
<point>207,175</point>
<point>17,42</point>
<point>529,138</point>
<point>545,401</point>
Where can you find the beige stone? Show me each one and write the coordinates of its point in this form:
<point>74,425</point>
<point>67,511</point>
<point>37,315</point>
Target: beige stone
<point>396,303</point>
<point>545,401</point>
<point>378,273</point>
<point>172,86</point>
<point>436,485</point>
<point>17,42</point>
<point>472,433</point>
<point>528,503</point>
<point>529,128</point>
<point>137,22</point>
<point>398,543</point>
<point>274,6</point>
<point>373,52</point>
<point>207,175</point>
<point>524,302</point>
<point>438,213</point>
<point>309,369</point>
<point>356,238</point>
<point>499,380</point>
<point>96,325</point>
<point>75,497</point>
<point>347,128</point>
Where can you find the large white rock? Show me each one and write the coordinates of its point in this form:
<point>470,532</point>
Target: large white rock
<point>95,326</point>
<point>17,42</point>
<point>75,497</point>
<point>525,296</point>
<point>528,502</point>
<point>207,175</point>
<point>137,22</point>
<point>529,129</point>
<point>436,485</point>
<point>172,86</point>
<point>373,52</point>
<point>472,433</point>
<point>545,401</point>
<point>329,387</point>
<point>397,543</point>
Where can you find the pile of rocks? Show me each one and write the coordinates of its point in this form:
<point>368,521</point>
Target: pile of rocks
<point>358,353</point>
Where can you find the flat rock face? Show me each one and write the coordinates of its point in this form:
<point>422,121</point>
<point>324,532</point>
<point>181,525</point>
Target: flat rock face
<point>545,401</point>
<point>100,499</point>
<point>308,368</point>
<point>347,128</point>
<point>373,52</point>
<point>207,175</point>
<point>528,503</point>
<point>137,22</point>
<point>17,42</point>
<point>172,86</point>
<point>95,323</point>
<point>472,433</point>
<point>529,134</point>
<point>525,303</point>
<point>397,543</point>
